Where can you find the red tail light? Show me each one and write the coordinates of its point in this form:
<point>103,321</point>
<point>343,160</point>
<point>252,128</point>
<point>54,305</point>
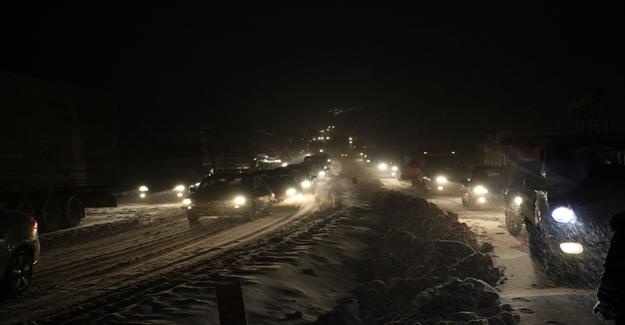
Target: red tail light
<point>34,225</point>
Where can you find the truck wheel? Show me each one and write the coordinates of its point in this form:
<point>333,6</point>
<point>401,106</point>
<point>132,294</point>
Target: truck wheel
<point>74,212</point>
<point>49,215</point>
<point>18,273</point>
<point>513,224</point>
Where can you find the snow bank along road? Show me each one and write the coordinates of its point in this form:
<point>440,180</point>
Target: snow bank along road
<point>102,267</point>
<point>527,288</point>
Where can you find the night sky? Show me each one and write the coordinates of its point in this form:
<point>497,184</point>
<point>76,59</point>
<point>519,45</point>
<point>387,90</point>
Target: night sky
<point>447,74</point>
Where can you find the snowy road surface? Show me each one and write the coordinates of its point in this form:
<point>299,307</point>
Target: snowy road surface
<point>126,264</point>
<point>527,288</point>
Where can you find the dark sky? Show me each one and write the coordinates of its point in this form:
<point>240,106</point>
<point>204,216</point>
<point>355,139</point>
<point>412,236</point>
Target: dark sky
<point>452,72</point>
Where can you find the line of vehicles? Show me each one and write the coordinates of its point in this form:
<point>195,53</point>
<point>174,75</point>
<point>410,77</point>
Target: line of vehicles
<point>561,196</point>
<point>254,193</point>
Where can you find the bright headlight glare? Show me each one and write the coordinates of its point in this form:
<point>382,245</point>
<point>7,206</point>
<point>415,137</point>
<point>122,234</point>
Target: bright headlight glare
<point>291,192</point>
<point>480,190</point>
<point>394,168</point>
<point>518,200</point>
<point>441,180</point>
<point>239,200</point>
<point>179,188</point>
<point>382,166</point>
<point>563,215</point>
<point>322,173</point>
<point>306,184</point>
<point>572,248</point>
<point>186,201</point>
<point>142,195</point>
<point>143,188</point>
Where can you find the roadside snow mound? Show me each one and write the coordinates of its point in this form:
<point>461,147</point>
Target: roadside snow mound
<point>425,267</point>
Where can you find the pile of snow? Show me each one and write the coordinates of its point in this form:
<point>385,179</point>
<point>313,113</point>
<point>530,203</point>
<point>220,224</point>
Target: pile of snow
<point>423,267</point>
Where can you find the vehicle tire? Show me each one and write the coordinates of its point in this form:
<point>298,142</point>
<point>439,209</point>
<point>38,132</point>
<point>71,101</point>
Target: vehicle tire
<point>514,224</point>
<point>74,211</point>
<point>49,214</point>
<point>18,274</point>
<point>536,242</point>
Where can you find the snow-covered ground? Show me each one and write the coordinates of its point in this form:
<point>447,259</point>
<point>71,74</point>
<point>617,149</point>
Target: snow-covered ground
<point>527,288</point>
<point>146,264</point>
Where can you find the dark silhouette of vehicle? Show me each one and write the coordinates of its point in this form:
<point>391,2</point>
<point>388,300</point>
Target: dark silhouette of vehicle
<point>59,150</point>
<point>484,188</point>
<point>580,184</point>
<point>304,177</point>
<point>231,194</point>
<point>281,182</point>
<point>519,195</point>
<point>319,161</point>
<point>19,251</point>
<point>441,179</point>
<point>412,171</point>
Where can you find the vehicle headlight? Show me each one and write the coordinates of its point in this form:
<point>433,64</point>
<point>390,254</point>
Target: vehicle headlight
<point>143,188</point>
<point>142,195</point>
<point>441,180</point>
<point>179,188</point>
<point>479,190</point>
<point>306,184</point>
<point>239,200</point>
<point>322,173</point>
<point>564,215</point>
<point>291,192</point>
<point>518,200</point>
<point>394,168</point>
<point>186,201</point>
<point>382,166</point>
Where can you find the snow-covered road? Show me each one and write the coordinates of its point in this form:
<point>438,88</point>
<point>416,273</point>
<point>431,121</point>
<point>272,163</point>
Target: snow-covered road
<point>109,267</point>
<point>527,288</point>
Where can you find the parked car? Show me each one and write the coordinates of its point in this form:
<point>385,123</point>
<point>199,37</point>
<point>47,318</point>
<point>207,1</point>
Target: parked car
<point>239,194</point>
<point>581,184</point>
<point>19,251</point>
<point>484,188</point>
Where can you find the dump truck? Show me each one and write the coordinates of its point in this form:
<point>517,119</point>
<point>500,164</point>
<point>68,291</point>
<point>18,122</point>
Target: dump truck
<point>59,150</point>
